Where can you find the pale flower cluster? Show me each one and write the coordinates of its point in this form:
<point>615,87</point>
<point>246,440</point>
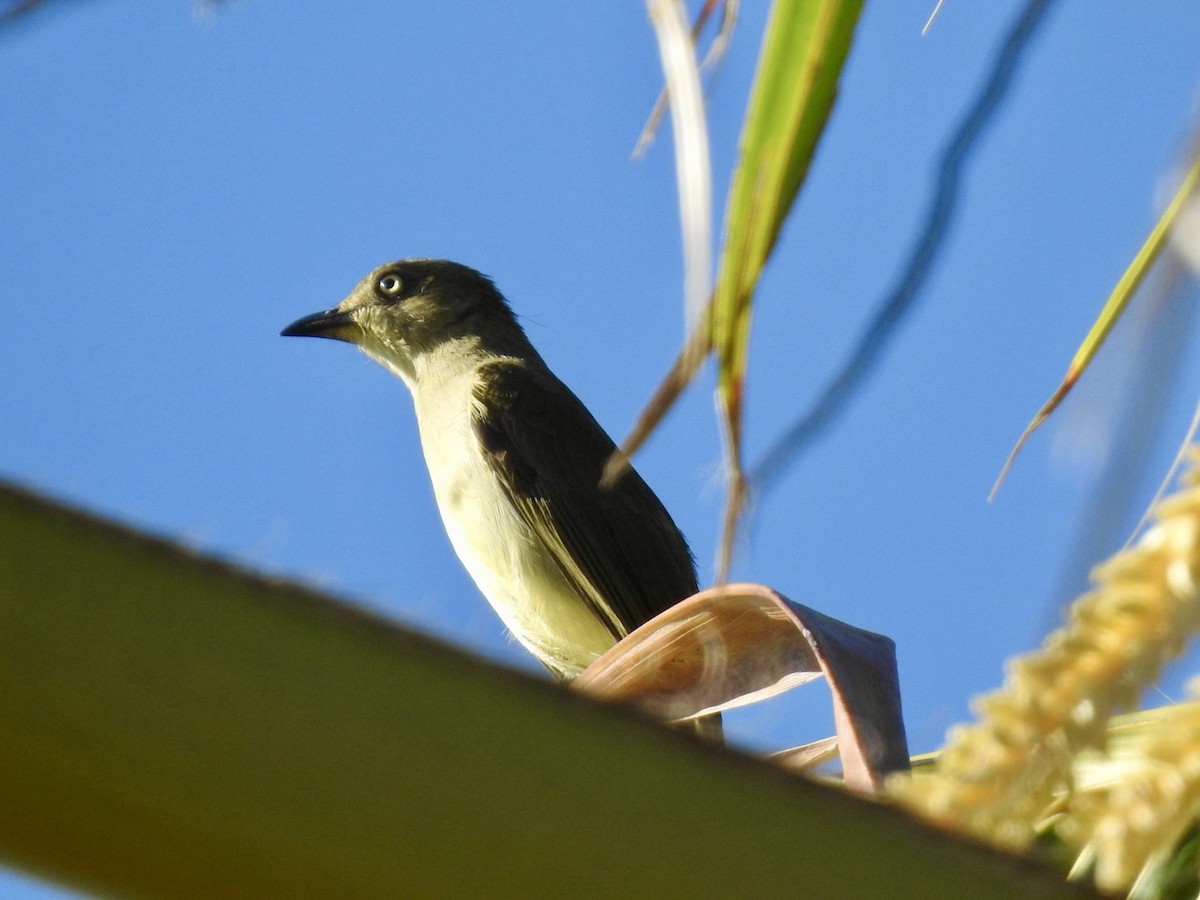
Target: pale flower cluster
<point>1130,809</point>
<point>997,778</point>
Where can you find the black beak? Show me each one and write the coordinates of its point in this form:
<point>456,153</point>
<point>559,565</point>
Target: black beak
<point>329,324</point>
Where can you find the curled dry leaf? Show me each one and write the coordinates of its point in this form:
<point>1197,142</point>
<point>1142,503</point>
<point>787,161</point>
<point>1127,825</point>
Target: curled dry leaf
<point>740,643</point>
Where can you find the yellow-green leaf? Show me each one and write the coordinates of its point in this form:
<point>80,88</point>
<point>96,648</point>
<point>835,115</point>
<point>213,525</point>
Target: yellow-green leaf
<point>804,48</point>
<point>1114,307</point>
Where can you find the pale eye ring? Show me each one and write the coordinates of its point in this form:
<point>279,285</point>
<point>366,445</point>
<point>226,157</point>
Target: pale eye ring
<point>390,285</point>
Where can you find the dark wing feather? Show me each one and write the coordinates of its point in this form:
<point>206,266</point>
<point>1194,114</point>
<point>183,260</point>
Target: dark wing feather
<point>617,546</point>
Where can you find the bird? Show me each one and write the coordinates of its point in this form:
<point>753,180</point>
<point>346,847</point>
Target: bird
<point>570,565</point>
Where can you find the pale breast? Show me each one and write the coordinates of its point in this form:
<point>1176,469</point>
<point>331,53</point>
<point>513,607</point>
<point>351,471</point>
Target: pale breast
<point>507,561</point>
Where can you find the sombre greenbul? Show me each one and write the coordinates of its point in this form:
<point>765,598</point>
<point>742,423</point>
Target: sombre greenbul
<point>516,459</point>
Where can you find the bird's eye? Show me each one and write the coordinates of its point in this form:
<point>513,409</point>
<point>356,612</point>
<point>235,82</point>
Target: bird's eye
<point>389,285</point>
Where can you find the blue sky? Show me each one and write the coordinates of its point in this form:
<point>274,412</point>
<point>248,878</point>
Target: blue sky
<point>175,189</point>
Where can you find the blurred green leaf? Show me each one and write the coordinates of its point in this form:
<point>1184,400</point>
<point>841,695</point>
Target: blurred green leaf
<point>175,727</point>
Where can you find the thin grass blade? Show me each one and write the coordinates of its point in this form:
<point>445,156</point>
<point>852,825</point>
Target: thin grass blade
<point>1114,307</point>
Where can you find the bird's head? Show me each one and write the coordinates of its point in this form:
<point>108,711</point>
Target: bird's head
<point>405,310</point>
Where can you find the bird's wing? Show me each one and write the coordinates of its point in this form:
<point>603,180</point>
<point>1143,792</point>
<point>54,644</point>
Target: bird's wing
<point>617,546</point>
